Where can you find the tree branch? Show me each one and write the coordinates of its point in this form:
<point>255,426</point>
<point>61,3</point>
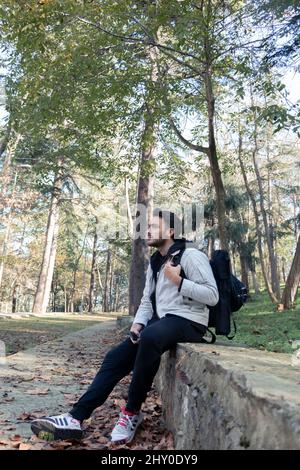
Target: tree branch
<point>148,42</point>
<point>198,148</point>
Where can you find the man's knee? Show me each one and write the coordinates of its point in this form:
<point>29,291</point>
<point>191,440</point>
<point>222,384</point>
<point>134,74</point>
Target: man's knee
<point>120,353</point>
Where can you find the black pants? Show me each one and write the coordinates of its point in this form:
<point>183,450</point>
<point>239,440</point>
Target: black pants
<point>142,358</point>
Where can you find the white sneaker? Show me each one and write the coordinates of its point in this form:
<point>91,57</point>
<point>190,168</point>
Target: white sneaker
<point>62,426</point>
<point>126,426</point>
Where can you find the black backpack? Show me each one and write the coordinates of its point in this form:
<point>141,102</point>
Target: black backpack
<point>232,294</point>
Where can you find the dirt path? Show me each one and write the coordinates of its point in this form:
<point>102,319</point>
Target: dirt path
<point>50,377</point>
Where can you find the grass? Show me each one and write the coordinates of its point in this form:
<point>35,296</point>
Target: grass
<point>23,333</point>
<point>260,326</point>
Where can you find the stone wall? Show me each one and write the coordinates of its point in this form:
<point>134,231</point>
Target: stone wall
<point>229,397</point>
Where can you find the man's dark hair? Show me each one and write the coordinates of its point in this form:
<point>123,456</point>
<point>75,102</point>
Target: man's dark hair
<point>171,219</point>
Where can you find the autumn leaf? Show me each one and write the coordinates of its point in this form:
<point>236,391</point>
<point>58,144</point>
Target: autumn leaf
<point>38,391</point>
<point>24,446</point>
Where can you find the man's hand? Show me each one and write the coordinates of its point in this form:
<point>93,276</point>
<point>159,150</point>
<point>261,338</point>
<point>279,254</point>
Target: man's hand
<point>173,272</point>
<point>135,329</point>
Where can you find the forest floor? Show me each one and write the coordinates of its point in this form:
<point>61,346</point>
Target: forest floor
<point>49,379</point>
<point>23,333</point>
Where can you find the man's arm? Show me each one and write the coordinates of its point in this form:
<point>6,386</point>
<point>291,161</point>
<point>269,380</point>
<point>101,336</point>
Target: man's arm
<point>200,284</point>
<point>145,310</point>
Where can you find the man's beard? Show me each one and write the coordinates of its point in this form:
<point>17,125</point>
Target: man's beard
<point>157,242</point>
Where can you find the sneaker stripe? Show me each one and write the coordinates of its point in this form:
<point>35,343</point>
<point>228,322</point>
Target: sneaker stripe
<point>50,419</point>
<point>65,422</point>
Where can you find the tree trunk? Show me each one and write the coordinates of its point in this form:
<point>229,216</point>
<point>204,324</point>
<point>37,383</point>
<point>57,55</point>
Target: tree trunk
<point>46,273</point>
<point>244,271</point>
<point>11,148</point>
<point>145,187</point>
<point>93,269</point>
<point>7,230</point>
<point>293,279</point>
<point>213,157</point>
<point>283,270</point>
<point>272,257</point>
<point>14,298</point>
<point>140,249</point>
<point>257,223</point>
<point>254,282</point>
<point>5,140</point>
<point>129,215</point>
<point>111,281</point>
<point>65,299</point>
<point>106,285</point>
<point>117,290</point>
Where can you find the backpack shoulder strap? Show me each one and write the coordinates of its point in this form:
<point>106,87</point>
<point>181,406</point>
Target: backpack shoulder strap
<point>176,259</point>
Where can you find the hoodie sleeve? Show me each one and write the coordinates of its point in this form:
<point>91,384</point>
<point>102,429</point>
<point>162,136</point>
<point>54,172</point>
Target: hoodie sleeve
<point>200,284</point>
<point>145,311</point>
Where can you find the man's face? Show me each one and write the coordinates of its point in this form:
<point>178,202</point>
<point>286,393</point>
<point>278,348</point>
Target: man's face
<point>158,232</point>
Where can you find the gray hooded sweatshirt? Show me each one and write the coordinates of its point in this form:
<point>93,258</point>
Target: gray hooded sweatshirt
<point>189,299</point>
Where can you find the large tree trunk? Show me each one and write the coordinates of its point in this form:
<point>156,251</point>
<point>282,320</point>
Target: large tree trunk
<point>293,279</point>
<point>93,269</point>
<point>145,187</point>
<point>213,157</point>
<point>140,249</point>
<point>46,273</point>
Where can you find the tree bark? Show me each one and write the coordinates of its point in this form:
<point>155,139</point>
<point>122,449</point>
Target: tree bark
<point>213,157</point>
<point>7,230</point>
<point>140,249</point>
<point>93,269</point>
<point>106,284</point>
<point>47,267</point>
<point>293,279</point>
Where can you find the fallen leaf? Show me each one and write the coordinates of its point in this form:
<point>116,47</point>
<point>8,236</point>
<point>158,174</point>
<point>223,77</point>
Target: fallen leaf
<point>4,443</point>
<point>38,391</point>
<point>24,446</point>
<point>24,416</point>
